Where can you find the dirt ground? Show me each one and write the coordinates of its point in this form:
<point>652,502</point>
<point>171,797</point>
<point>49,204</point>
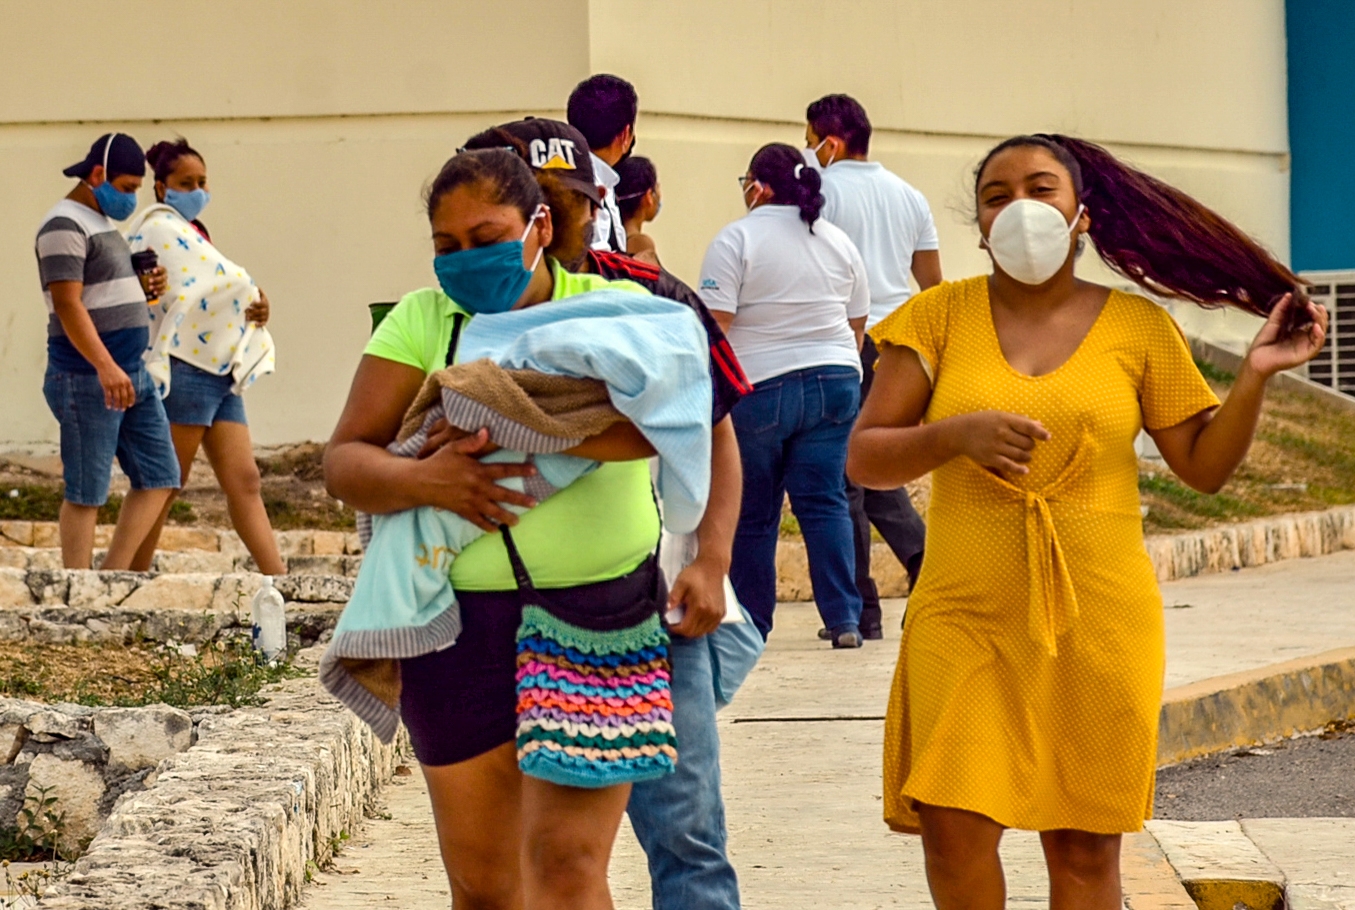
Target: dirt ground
<point>222,673</point>
<point>53,673</point>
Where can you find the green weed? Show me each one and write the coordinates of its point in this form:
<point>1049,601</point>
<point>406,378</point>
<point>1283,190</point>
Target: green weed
<point>221,673</point>
<point>1214,374</point>
<point>1205,505</point>
<point>37,832</point>
<point>37,503</point>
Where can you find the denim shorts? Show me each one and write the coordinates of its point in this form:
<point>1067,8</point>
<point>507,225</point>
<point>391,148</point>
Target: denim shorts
<point>199,399</point>
<point>92,434</point>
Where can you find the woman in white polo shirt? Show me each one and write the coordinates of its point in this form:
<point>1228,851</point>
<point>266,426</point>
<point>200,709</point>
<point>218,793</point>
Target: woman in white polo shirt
<point>791,292</point>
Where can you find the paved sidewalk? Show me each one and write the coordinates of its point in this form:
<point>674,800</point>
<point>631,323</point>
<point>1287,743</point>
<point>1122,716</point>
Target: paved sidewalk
<point>801,747</point>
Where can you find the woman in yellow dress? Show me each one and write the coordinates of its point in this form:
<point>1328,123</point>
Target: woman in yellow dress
<point>1030,672</point>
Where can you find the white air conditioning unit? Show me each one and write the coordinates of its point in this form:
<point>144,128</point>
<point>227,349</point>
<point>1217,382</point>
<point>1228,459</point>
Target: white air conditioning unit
<point>1334,365</point>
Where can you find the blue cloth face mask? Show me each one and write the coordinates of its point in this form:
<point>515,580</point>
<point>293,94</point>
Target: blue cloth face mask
<point>190,204</point>
<point>113,202</point>
<point>488,279</point>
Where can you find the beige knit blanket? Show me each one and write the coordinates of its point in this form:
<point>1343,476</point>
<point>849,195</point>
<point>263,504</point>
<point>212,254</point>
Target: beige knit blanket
<point>519,406</point>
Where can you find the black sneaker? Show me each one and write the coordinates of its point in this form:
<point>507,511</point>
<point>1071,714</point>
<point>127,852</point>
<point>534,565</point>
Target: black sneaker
<point>825,635</point>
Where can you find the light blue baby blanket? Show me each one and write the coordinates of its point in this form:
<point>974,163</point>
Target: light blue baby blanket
<point>650,352</point>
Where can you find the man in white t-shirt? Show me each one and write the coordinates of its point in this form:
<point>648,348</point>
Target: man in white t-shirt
<point>603,108</point>
<point>891,225</point>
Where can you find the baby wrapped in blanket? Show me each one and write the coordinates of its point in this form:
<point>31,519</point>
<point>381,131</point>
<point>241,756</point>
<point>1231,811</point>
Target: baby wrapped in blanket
<point>541,380</point>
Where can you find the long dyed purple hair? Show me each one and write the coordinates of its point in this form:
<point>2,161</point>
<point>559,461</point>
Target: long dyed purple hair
<point>1160,238</point>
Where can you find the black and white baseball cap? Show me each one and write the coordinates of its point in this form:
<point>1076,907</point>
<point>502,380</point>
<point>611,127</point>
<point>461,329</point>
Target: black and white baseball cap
<point>555,146</point>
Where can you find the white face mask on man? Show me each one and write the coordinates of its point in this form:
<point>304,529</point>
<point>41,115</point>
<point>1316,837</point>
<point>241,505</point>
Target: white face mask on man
<point>812,155</point>
<point>1029,240</point>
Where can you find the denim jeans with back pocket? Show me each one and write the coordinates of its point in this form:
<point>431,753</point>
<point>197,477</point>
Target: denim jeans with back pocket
<point>792,433</point>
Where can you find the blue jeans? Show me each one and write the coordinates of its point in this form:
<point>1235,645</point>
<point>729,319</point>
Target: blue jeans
<point>680,819</point>
<point>792,433</point>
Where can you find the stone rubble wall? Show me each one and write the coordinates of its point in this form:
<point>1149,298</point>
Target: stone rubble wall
<point>63,606</point>
<point>83,757</point>
<point>1254,543</point>
<point>28,545</point>
<point>238,821</point>
<point>45,535</point>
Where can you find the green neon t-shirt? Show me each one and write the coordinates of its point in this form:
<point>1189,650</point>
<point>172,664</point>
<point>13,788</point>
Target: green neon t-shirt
<point>599,528</point>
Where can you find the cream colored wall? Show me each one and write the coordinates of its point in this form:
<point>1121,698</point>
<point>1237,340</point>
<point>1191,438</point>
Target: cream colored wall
<point>321,122</point>
<point>1191,90</point>
<point>324,212</point>
<point>85,60</point>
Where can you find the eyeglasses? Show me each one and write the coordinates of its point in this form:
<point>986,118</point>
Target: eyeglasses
<point>498,148</point>
<point>745,180</point>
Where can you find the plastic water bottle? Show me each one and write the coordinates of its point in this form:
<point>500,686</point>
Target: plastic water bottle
<point>269,619</point>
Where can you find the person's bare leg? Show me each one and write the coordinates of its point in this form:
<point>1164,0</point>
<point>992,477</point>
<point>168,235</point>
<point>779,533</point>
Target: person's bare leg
<point>76,525</point>
<point>186,438</point>
<point>567,837</point>
<point>140,509</point>
<point>964,870</point>
<point>231,453</point>
<point>477,805</point>
<point>1084,870</point>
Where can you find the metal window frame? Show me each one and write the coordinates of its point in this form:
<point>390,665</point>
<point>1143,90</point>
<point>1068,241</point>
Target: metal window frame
<point>1334,365</point>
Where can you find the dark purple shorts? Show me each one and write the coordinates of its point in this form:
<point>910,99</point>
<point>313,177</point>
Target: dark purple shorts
<point>461,702</point>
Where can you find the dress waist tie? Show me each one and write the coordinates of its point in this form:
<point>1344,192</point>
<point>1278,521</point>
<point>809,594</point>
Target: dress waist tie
<point>1052,600</point>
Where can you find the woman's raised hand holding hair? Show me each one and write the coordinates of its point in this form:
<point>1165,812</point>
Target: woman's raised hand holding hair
<point>1276,348</point>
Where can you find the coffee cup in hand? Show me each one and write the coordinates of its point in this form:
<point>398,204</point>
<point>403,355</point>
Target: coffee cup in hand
<point>145,263</point>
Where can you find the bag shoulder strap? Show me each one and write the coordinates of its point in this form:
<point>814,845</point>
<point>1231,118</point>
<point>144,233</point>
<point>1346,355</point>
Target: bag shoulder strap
<point>520,574</point>
<point>458,323</point>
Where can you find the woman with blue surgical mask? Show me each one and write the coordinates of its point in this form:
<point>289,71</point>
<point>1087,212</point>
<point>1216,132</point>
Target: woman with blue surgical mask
<point>207,345</point>
<point>507,839</point>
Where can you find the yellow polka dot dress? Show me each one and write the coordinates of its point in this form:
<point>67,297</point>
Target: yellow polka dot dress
<point>1030,672</point>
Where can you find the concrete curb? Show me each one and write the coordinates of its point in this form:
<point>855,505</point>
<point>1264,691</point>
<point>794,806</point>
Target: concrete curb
<point>1184,555</point>
<point>1256,706</point>
<point>239,821</point>
<point>1148,879</point>
<point>1253,543</point>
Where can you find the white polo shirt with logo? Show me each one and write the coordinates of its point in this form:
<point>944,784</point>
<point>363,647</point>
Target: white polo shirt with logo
<point>791,291</point>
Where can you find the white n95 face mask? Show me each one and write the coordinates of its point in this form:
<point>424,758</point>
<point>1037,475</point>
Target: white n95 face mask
<point>1029,240</point>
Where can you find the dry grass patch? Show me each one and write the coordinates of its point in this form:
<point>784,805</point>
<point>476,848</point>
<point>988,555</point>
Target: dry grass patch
<point>222,673</point>
<point>1303,459</point>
